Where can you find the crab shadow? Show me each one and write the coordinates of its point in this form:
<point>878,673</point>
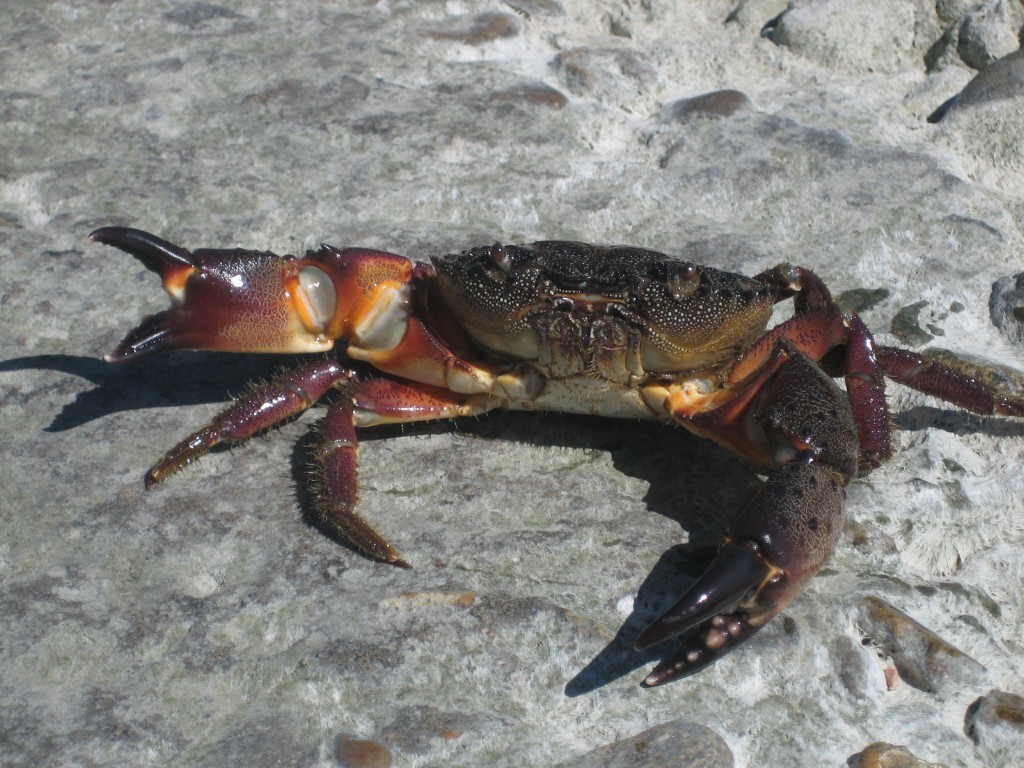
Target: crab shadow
<point>690,481</point>
<point>190,378</point>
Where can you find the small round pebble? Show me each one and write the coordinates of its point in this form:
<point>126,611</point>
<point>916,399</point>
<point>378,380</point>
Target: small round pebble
<point>351,752</point>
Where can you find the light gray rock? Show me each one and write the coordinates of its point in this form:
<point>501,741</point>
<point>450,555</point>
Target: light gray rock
<point>978,35</point>
<point>1006,306</point>
<point>983,124</point>
<point>848,36</point>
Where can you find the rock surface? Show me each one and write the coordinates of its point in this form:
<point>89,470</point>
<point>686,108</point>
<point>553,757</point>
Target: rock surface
<point>208,623</point>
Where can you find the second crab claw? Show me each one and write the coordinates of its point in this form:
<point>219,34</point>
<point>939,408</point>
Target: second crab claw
<point>778,542</point>
<point>256,301</point>
<point>709,609</point>
<point>787,530</point>
<point>229,299</point>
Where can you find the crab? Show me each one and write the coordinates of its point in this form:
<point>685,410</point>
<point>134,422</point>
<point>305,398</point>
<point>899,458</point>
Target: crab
<point>611,331</point>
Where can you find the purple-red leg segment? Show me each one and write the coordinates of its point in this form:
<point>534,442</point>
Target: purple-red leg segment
<point>946,383</point>
<point>374,401</point>
<point>284,397</point>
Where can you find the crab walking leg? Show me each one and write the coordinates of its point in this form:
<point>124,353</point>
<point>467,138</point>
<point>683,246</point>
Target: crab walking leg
<point>865,388</point>
<point>946,383</point>
<point>285,396</point>
<point>369,403</point>
<point>785,533</point>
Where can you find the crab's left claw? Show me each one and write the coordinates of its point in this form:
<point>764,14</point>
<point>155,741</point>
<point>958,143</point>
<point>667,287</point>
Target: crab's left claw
<point>786,532</point>
<point>230,300</point>
<point>778,542</point>
<point>708,612</point>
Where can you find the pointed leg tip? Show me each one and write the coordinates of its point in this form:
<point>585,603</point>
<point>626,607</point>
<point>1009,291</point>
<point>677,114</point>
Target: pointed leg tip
<point>400,563</point>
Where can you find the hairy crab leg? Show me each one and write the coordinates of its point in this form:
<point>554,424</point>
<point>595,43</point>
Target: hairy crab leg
<point>947,383</point>
<point>789,528</point>
<point>285,396</point>
<point>369,403</point>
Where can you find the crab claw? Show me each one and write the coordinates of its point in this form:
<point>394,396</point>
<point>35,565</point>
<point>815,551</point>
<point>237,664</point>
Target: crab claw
<point>778,542</point>
<point>728,604</point>
<point>232,300</point>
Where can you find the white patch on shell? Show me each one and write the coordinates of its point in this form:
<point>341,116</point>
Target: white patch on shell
<point>385,324</point>
<point>318,295</point>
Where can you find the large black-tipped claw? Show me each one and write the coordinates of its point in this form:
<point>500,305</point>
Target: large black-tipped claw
<point>156,254</point>
<point>738,569</point>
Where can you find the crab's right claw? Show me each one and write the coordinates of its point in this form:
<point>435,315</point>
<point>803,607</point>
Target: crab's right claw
<point>230,300</point>
<point>777,543</point>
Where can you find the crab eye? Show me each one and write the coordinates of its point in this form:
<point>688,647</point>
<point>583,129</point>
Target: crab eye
<point>318,296</point>
<point>681,280</point>
<point>500,257</point>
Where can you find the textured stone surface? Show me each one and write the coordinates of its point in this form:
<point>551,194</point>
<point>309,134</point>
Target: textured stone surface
<point>977,34</point>
<point>679,742</point>
<point>207,622</point>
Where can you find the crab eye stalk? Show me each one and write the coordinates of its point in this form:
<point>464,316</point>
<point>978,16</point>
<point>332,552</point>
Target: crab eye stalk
<point>698,316</point>
<point>682,279</point>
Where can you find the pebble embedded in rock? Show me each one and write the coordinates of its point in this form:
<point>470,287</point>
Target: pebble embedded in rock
<point>678,742</point>
<point>923,659</point>
<point>596,70</point>
<point>995,722</point>
<point>351,752</point>
<point>715,104</point>
<point>1006,306</point>
<point>883,755</point>
<point>479,29</point>
<point>541,94</point>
